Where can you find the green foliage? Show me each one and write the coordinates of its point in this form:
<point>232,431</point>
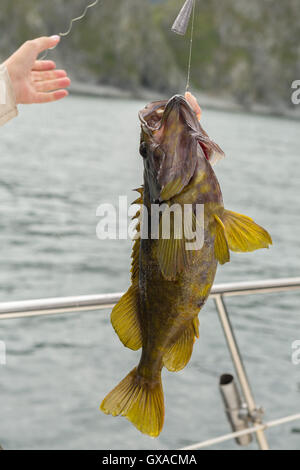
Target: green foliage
<point>246,50</point>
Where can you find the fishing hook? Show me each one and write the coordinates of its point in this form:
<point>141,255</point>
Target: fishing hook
<point>66,33</point>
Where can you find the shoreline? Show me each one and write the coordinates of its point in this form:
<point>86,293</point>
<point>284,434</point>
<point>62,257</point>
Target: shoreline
<point>217,103</point>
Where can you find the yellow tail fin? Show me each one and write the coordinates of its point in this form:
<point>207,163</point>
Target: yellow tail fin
<point>141,402</point>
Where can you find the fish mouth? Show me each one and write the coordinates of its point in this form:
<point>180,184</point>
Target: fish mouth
<point>172,142</point>
<point>151,116</point>
<point>168,146</point>
<point>157,115</point>
<point>177,103</point>
<point>178,120</point>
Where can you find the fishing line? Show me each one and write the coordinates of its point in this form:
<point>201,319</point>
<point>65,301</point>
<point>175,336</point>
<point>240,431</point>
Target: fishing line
<point>73,20</point>
<point>191,49</point>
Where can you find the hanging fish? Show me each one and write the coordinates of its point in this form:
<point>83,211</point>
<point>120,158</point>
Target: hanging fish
<point>169,283</point>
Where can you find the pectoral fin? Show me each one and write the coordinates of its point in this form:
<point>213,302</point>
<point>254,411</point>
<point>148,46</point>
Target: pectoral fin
<point>172,188</point>
<point>243,234</point>
<point>177,357</point>
<point>173,255</point>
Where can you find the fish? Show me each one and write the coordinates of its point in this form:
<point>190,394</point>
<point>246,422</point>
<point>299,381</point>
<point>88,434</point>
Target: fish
<point>169,282</point>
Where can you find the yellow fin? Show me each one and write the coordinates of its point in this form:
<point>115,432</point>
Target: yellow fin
<point>125,319</point>
<point>243,234</point>
<point>141,402</point>
<point>179,354</point>
<point>196,324</point>
<point>135,265</point>
<point>139,200</point>
<point>172,254</point>
<point>171,189</point>
<point>140,190</point>
<point>221,246</point>
<point>173,257</point>
<point>124,316</point>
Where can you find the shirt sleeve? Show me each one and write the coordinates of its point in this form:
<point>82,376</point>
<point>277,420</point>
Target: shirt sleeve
<point>8,107</point>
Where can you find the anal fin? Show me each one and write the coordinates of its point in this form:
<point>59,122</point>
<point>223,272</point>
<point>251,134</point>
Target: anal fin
<point>179,354</point>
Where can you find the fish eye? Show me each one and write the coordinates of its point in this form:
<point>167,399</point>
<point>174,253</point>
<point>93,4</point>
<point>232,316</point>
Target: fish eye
<point>143,149</point>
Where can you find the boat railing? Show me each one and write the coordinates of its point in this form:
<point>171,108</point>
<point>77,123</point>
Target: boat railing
<point>253,415</point>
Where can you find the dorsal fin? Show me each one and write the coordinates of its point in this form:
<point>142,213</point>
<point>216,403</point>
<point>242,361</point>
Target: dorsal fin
<point>125,315</point>
<point>135,254</point>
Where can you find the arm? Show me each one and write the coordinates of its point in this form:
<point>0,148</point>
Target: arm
<point>26,80</point>
<point>8,107</point>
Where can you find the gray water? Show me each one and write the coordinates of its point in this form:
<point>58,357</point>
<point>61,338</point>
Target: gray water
<point>58,163</point>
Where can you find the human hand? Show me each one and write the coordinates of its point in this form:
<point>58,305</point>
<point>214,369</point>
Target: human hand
<point>194,104</point>
<point>36,81</point>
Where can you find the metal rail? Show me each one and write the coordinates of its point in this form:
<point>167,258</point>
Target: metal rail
<point>253,412</point>
<point>233,435</point>
<point>31,308</point>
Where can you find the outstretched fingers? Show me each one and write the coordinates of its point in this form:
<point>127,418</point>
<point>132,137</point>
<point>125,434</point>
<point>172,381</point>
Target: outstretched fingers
<point>48,97</point>
<point>48,75</point>
<point>53,89</point>
<point>41,65</point>
<point>51,85</point>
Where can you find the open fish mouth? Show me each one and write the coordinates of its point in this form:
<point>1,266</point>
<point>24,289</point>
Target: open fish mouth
<point>151,116</point>
<point>156,115</point>
<point>172,141</point>
<point>164,120</point>
<point>167,145</point>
